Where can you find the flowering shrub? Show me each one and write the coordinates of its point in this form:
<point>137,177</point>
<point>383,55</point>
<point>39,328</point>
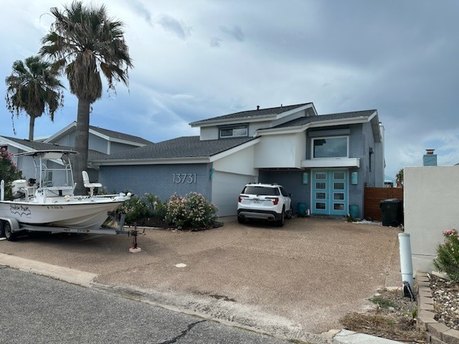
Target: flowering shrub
<point>447,259</point>
<point>192,211</point>
<point>137,209</point>
<point>8,170</point>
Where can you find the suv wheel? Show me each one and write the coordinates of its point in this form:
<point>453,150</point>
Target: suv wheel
<point>289,213</point>
<point>240,219</point>
<point>281,220</point>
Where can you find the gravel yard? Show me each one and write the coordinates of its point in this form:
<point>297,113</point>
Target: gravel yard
<point>446,301</point>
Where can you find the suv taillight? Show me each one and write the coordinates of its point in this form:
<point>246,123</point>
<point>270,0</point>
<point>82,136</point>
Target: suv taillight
<point>275,200</point>
<point>240,198</point>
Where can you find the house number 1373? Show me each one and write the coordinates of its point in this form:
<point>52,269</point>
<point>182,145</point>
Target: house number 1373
<point>184,178</point>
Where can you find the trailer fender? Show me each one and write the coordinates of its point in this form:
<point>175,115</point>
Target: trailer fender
<point>14,225</point>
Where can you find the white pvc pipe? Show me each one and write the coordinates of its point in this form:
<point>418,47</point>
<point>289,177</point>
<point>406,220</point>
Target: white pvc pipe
<point>406,265</point>
<point>2,190</point>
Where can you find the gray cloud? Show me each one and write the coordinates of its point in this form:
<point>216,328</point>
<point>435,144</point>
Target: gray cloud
<point>140,9</point>
<point>173,25</point>
<point>215,42</point>
<point>234,32</point>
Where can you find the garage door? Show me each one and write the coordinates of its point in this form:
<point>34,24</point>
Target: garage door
<point>226,188</point>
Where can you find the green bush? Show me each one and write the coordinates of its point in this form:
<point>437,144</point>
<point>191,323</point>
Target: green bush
<point>8,171</point>
<point>137,209</point>
<point>447,259</point>
<point>192,211</point>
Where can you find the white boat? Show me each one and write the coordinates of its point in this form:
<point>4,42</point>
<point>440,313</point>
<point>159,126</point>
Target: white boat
<point>49,200</point>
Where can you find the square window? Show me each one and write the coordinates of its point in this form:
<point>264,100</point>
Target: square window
<point>338,206</point>
<point>338,186</point>
<point>320,186</point>
<point>320,205</point>
<point>321,176</point>
<point>339,196</point>
<point>320,195</point>
<point>338,175</point>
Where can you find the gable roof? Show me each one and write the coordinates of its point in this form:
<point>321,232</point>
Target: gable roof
<point>183,148</point>
<point>334,119</point>
<point>29,146</point>
<point>107,134</point>
<point>254,115</point>
<point>328,117</point>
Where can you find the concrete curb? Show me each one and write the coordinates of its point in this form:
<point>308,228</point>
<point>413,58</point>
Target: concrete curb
<point>435,332</point>
<point>73,276</point>
<point>350,337</point>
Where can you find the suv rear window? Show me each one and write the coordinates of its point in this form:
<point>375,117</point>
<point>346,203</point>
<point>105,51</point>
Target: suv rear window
<point>260,190</point>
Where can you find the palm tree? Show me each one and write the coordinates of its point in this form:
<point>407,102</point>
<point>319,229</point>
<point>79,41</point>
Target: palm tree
<point>399,178</point>
<point>33,87</point>
<point>85,42</point>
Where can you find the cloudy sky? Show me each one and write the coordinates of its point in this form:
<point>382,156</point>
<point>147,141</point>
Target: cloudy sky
<point>201,58</point>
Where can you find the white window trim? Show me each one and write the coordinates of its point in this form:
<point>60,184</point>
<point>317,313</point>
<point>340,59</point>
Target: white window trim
<point>329,137</point>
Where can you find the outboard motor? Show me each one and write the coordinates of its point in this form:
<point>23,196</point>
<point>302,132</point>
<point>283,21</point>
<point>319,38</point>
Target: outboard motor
<point>18,188</point>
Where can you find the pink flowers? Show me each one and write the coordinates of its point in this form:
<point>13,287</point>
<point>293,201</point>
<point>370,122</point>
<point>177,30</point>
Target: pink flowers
<point>450,232</point>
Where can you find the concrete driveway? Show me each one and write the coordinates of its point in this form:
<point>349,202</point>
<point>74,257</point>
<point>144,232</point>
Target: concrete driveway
<point>302,277</point>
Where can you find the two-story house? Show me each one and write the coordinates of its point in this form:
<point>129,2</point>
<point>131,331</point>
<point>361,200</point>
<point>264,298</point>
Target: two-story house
<point>324,161</point>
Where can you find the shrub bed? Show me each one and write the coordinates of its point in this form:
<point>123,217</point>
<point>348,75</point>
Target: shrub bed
<point>189,212</point>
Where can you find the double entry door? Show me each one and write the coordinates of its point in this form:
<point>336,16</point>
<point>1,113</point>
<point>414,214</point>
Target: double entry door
<point>329,192</point>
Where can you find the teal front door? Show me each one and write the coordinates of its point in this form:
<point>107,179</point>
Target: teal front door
<point>329,192</point>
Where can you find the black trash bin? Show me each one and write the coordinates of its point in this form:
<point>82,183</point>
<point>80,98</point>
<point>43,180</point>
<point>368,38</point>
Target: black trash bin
<point>392,212</point>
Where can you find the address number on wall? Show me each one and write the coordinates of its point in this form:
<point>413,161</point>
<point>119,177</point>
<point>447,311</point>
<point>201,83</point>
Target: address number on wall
<point>184,178</point>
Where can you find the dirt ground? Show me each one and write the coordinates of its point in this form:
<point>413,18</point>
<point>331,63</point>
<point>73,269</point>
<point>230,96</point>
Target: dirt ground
<point>393,317</point>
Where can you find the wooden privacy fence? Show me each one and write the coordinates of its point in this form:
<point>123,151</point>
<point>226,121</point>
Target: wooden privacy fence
<point>374,196</point>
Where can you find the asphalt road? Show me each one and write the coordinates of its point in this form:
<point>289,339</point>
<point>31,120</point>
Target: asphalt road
<point>36,309</point>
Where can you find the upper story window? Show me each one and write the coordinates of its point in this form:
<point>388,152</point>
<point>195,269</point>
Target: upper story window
<point>330,147</point>
<point>238,131</point>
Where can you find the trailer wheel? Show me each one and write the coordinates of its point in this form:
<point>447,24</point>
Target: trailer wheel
<point>9,235</point>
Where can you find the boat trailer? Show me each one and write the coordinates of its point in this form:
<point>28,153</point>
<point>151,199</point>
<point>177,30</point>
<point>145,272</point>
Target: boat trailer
<point>10,228</point>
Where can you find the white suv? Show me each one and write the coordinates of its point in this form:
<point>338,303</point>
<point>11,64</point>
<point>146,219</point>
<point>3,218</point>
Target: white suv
<point>264,201</point>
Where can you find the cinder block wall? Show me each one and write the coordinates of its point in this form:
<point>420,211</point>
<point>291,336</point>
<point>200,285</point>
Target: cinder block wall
<point>431,205</point>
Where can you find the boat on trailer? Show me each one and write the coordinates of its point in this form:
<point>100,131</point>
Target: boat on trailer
<point>47,202</point>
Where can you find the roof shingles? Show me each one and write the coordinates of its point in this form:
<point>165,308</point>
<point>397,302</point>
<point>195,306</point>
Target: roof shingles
<point>181,147</point>
<point>322,118</point>
<point>251,113</point>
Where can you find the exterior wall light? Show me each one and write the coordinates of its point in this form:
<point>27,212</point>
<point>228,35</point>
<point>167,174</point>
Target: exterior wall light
<point>354,178</point>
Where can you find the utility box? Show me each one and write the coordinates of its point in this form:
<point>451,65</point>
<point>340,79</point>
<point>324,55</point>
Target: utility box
<point>391,212</point>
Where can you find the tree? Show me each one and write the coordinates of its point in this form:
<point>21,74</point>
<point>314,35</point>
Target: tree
<point>399,178</point>
<point>8,171</point>
<point>83,41</point>
<point>33,87</point>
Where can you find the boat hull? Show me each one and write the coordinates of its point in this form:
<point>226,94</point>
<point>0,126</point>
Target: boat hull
<point>85,215</point>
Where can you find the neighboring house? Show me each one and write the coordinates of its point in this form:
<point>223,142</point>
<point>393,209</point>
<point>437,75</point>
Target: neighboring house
<point>324,161</point>
<point>102,142</point>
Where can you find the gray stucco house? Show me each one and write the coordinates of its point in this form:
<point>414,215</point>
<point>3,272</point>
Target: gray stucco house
<point>324,161</point>
<point>102,142</point>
